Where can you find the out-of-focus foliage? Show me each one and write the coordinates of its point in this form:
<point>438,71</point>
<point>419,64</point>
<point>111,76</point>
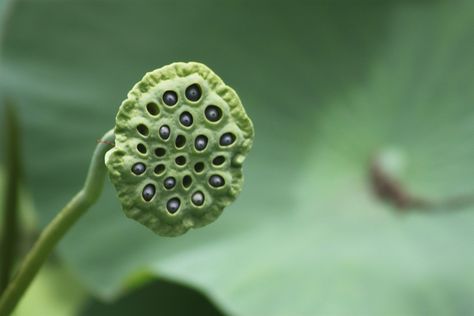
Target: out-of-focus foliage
<point>328,86</point>
<point>54,293</point>
<point>159,297</point>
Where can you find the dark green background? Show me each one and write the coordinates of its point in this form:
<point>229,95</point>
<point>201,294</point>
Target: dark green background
<point>329,86</point>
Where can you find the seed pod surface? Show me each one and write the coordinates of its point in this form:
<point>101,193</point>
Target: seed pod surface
<point>163,124</point>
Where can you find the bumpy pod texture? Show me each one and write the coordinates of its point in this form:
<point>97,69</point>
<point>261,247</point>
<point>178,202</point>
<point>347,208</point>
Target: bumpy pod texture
<point>181,137</point>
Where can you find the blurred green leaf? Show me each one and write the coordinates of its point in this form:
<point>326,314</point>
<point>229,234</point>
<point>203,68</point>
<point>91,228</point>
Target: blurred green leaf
<point>328,87</point>
<point>157,298</point>
<point>54,292</point>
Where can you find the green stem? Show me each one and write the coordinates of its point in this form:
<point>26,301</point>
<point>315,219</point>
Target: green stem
<point>6,9</point>
<point>58,227</point>
<point>9,238</point>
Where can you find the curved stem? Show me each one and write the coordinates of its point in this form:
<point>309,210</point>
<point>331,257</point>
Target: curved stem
<point>50,236</point>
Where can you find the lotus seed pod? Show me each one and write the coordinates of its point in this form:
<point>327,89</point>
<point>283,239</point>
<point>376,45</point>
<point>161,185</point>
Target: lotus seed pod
<point>181,137</point>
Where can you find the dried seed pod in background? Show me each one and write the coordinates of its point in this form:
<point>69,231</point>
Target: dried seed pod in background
<point>181,137</point>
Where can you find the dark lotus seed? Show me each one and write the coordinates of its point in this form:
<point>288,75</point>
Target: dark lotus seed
<point>142,129</point>
<point>219,160</point>
<point>164,132</point>
<point>216,181</point>
<point>180,141</point>
<point>169,183</point>
<point>200,142</point>
<point>148,192</point>
<point>193,92</point>
<point>159,169</point>
<point>152,108</point>
<point>187,180</point>
<point>160,152</point>
<point>198,198</point>
<point>213,113</point>
<point>227,139</point>
<point>186,119</point>
<point>170,98</point>
<point>138,168</point>
<point>198,167</point>
<point>173,205</point>
<point>141,148</point>
<point>180,160</point>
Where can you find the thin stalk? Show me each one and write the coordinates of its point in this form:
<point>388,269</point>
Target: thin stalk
<point>6,9</point>
<point>9,238</point>
<point>51,235</point>
<point>393,192</point>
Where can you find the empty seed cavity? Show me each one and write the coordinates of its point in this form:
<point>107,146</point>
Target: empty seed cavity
<point>180,141</point>
<point>227,139</point>
<point>160,152</point>
<point>216,181</point>
<point>164,132</point>
<point>199,167</point>
<point>200,142</point>
<point>197,198</point>
<point>213,113</point>
<point>152,108</point>
<point>169,183</point>
<point>170,98</point>
<point>159,169</point>
<point>180,160</point>
<point>173,205</point>
<point>141,148</point>
<point>138,168</point>
<point>186,119</point>
<point>187,180</point>
<point>142,129</point>
<point>219,160</point>
<point>148,192</point>
<point>193,92</point>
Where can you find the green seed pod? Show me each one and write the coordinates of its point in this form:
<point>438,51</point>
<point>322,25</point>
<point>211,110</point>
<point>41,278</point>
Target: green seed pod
<point>181,137</point>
